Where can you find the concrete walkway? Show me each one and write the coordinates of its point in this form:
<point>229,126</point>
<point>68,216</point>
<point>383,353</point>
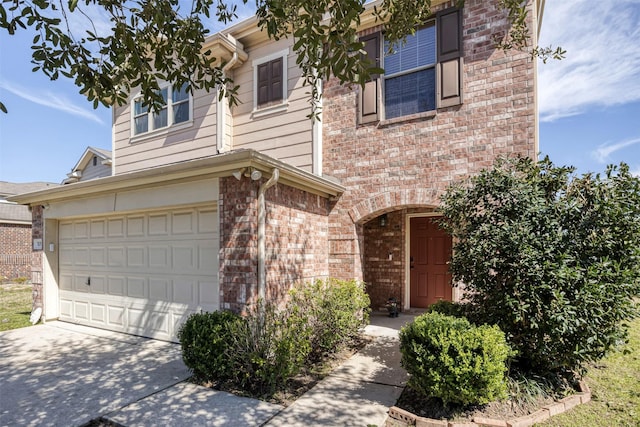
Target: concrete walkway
<point>360,391</point>
<point>61,374</point>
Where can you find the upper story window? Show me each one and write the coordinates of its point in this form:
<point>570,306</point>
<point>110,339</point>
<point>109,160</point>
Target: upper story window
<point>421,75</point>
<point>270,82</point>
<point>410,74</point>
<point>176,109</point>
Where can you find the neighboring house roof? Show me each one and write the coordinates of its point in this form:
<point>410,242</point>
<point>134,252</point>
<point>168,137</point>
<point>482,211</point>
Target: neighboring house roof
<point>76,173</point>
<point>11,213</point>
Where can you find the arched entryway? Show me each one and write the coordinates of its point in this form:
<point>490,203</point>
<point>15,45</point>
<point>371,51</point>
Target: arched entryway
<point>405,256</point>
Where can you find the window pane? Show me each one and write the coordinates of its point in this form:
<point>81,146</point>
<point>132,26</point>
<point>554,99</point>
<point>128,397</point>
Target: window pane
<point>141,124</point>
<point>418,51</point>
<point>163,94</point>
<point>410,93</point>
<point>181,112</point>
<point>180,94</point>
<point>138,108</point>
<point>160,119</point>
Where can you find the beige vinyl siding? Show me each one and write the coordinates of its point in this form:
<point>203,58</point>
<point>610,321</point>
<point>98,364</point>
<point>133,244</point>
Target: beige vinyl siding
<point>97,171</point>
<point>284,135</point>
<point>170,145</point>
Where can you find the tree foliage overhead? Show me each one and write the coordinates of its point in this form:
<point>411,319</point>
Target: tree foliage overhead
<point>552,259</point>
<point>152,40</point>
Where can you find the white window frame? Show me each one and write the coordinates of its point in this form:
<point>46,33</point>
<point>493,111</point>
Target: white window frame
<point>270,109</point>
<point>171,126</point>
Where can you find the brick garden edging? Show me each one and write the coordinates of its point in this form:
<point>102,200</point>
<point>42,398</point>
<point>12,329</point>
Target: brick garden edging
<point>546,412</point>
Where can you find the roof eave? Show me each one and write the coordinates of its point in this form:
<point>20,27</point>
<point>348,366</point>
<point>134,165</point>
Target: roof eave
<point>222,165</point>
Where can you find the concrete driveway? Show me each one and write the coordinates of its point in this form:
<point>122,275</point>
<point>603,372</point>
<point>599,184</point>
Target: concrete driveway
<point>65,375</point>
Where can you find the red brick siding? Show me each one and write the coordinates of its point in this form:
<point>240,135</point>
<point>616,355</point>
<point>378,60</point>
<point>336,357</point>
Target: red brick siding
<point>15,251</point>
<point>238,210</point>
<point>410,163</point>
<point>296,240</point>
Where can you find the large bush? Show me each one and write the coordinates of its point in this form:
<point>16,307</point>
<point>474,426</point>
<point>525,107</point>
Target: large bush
<point>205,338</point>
<point>450,359</point>
<point>552,259</point>
<point>335,311</point>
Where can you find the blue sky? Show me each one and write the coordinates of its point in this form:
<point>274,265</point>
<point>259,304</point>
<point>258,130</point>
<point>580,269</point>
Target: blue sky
<point>589,102</point>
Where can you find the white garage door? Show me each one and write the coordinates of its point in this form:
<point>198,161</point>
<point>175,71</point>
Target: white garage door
<point>140,273</point>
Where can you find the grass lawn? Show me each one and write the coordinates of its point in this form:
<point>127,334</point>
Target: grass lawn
<point>15,306</point>
<point>615,388</point>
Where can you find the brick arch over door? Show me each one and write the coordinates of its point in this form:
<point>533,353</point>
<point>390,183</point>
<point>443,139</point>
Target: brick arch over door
<point>393,200</point>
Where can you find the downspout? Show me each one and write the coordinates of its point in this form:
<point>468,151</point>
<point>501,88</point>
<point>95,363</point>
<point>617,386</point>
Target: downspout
<point>262,214</point>
<point>221,109</point>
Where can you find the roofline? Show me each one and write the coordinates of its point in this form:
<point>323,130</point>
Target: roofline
<point>221,165</point>
<point>15,222</point>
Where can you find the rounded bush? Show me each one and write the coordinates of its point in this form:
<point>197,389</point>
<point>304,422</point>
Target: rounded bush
<point>451,359</point>
<point>204,338</point>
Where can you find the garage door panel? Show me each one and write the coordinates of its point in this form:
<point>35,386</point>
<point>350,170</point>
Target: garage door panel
<point>183,258</point>
<point>208,293</point>
<point>97,229</point>
<point>115,227</point>
<point>158,225</point>
<point>182,222</point>
<point>81,256</point>
<point>184,291</point>
<point>148,271</point>
<point>98,257</point>
<point>207,221</point>
<point>81,310</point>
<point>65,282</point>
<point>137,287</point>
<point>81,229</point>
<point>136,257</point>
<point>135,226</point>
<point>158,256</point>
<point>159,289</point>
<point>115,285</point>
<point>99,313</point>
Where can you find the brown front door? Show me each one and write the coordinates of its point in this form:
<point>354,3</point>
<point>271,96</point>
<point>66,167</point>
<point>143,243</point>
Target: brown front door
<point>430,252</point>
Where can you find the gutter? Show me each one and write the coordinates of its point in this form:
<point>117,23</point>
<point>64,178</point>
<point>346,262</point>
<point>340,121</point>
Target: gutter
<point>221,109</point>
<point>262,214</point>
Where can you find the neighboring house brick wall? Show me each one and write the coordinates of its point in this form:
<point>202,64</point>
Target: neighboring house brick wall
<point>15,251</point>
<point>386,167</point>
<point>296,240</point>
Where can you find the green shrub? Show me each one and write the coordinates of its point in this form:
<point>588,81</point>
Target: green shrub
<point>267,349</point>
<point>335,310</point>
<point>551,258</point>
<point>205,338</point>
<point>448,308</point>
<point>450,359</point>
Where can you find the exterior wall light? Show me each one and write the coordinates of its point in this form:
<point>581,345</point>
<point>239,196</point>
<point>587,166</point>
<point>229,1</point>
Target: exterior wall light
<point>383,220</point>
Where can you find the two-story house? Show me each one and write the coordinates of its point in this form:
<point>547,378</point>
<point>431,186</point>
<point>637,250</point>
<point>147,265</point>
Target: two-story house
<point>211,207</point>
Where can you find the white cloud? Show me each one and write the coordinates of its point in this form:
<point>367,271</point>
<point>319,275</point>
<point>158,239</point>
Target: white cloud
<point>602,65</point>
<point>51,100</point>
<point>604,151</point>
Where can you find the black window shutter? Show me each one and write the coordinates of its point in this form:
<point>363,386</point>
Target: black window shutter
<point>369,95</point>
<point>450,57</point>
<point>270,76</point>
